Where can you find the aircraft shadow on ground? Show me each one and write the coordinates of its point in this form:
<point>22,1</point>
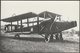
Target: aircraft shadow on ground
<point>35,39</point>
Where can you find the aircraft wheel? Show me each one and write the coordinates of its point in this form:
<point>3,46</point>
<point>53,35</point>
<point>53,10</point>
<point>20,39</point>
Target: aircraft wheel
<point>47,38</point>
<point>57,36</point>
<point>17,36</point>
<point>51,37</point>
<point>61,38</point>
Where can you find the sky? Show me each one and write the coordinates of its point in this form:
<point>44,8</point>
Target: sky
<point>68,9</point>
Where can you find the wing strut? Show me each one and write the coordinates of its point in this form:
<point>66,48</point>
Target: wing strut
<point>38,23</point>
<point>11,26</point>
<point>21,25</point>
<point>27,22</point>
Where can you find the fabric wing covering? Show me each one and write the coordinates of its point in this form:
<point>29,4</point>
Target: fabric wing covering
<point>20,17</point>
<point>47,14</point>
<point>32,22</point>
<point>44,14</point>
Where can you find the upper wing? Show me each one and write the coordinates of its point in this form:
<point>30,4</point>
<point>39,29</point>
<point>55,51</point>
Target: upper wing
<point>20,17</point>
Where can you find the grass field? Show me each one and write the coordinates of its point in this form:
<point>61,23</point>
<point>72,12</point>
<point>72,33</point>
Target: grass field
<point>35,43</point>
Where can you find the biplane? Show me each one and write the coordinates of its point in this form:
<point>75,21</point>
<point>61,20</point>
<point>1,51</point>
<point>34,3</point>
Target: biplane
<point>47,28</point>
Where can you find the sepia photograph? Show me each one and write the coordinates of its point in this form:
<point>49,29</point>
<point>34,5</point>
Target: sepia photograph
<point>39,26</point>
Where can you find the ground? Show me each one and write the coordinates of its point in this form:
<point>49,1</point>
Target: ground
<point>35,43</point>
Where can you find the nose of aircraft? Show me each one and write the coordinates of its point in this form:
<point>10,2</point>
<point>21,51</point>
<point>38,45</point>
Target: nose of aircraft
<point>74,23</point>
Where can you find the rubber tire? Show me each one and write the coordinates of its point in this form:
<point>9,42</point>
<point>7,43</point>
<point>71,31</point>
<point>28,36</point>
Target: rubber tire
<point>61,38</point>
<point>46,38</point>
<point>51,37</point>
<point>17,36</point>
<point>57,36</point>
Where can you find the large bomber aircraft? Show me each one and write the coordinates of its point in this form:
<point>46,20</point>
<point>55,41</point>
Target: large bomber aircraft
<point>46,28</point>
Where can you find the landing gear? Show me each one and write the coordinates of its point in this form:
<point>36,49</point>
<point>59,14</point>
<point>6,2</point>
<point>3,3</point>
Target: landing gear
<point>47,38</point>
<point>58,36</point>
<point>61,38</point>
<point>51,37</point>
<point>17,36</point>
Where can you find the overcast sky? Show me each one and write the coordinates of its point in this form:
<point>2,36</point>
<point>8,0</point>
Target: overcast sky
<point>68,9</point>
